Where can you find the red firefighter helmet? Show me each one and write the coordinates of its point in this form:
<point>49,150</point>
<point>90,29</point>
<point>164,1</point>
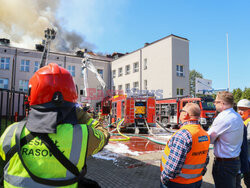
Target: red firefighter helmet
<point>51,83</point>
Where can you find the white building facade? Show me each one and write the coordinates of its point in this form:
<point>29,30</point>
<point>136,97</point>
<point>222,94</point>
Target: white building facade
<point>161,67</point>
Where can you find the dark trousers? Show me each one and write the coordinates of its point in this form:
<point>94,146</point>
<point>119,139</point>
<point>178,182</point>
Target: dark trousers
<point>225,173</point>
<point>247,179</point>
<point>177,185</point>
<point>238,181</point>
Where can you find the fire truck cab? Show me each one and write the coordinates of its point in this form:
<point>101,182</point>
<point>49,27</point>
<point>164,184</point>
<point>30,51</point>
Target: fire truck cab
<point>137,111</point>
<point>168,110</point>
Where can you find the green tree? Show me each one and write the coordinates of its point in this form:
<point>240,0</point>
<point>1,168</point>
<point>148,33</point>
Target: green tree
<point>246,93</point>
<point>237,93</point>
<point>192,75</point>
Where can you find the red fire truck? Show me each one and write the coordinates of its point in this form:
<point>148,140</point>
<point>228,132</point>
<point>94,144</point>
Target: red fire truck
<point>137,110</point>
<point>168,110</point>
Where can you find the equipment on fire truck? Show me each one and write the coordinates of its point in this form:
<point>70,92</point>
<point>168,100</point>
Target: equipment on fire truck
<point>168,110</point>
<point>135,110</point>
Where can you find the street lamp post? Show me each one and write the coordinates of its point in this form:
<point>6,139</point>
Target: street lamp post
<point>13,82</point>
<point>228,73</point>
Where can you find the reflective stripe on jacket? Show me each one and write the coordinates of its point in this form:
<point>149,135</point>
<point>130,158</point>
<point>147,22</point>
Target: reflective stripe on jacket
<point>247,121</point>
<point>191,171</point>
<point>71,141</point>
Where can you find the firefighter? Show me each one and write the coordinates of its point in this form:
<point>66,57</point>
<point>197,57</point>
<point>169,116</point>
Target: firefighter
<point>32,148</point>
<point>243,108</point>
<point>186,153</point>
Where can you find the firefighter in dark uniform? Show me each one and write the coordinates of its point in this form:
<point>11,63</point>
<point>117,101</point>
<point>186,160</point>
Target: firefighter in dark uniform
<point>54,118</point>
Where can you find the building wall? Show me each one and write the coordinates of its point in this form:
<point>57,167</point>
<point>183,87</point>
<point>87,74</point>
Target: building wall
<point>159,74</point>
<point>162,57</point>
<point>62,59</point>
<point>180,56</point>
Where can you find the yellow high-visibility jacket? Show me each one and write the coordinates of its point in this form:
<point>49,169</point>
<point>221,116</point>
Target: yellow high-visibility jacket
<point>72,140</point>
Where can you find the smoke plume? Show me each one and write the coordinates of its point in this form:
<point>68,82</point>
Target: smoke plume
<point>24,22</point>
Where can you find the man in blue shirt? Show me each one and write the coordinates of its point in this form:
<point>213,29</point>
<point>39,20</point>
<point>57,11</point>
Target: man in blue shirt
<point>226,133</point>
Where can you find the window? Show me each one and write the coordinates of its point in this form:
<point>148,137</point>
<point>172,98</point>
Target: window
<point>119,87</point>
<point>145,66</point>
<point>71,69</point>
<point>179,70</point>
<point>23,85</point>
<point>145,84</point>
<point>25,65</point>
<point>5,63</point>
<point>113,73</point>
<point>179,92</point>
<point>120,72</point>
<point>120,91</point>
<point>113,88</point>
<point>136,67</point>
<point>4,83</point>
<point>127,87</point>
<point>82,92</point>
<point>100,71</point>
<point>36,66</point>
<point>127,69</point>
<point>136,85</point>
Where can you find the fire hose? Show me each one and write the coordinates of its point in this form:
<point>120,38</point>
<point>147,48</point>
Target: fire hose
<point>118,129</point>
<point>128,136</point>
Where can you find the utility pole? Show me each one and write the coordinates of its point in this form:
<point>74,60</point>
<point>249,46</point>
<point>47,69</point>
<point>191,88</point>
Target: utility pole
<point>50,34</point>
<point>228,74</point>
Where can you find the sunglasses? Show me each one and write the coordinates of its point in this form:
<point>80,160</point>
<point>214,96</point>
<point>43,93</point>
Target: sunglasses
<point>183,111</point>
<point>217,102</point>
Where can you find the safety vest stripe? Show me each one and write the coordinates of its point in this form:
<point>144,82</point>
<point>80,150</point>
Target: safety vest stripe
<point>163,165</point>
<point>75,148</point>
<point>197,166</point>
<point>25,181</point>
<point>189,176</point>
<point>165,156</point>
<point>92,122</point>
<point>7,139</point>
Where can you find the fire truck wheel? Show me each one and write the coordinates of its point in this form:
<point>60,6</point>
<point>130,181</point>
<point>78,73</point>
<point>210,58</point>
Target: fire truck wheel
<point>168,125</point>
<point>128,130</point>
<point>164,121</point>
<point>174,126</point>
<point>143,131</point>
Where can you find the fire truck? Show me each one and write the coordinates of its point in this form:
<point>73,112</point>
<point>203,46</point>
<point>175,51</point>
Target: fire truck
<point>137,111</point>
<point>168,110</point>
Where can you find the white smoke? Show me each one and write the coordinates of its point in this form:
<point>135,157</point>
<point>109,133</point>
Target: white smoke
<point>24,22</point>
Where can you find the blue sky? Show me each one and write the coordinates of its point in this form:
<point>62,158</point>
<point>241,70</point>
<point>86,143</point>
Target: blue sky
<point>125,25</point>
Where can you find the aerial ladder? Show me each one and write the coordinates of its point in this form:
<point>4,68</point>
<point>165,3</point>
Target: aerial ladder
<point>50,35</point>
<point>87,64</point>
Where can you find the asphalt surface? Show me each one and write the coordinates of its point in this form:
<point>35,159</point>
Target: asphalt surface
<point>135,171</point>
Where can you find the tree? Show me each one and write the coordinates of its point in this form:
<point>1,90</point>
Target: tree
<point>246,94</point>
<point>237,93</point>
<point>192,75</point>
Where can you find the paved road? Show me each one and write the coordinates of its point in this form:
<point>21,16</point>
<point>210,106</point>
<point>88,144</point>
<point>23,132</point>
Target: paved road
<point>135,171</point>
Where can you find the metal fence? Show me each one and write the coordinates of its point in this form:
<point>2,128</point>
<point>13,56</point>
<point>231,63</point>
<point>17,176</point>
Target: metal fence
<point>12,107</point>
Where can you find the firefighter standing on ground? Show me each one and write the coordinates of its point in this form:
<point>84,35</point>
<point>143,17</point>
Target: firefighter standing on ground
<point>52,98</point>
<point>243,108</point>
<point>186,154</point>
